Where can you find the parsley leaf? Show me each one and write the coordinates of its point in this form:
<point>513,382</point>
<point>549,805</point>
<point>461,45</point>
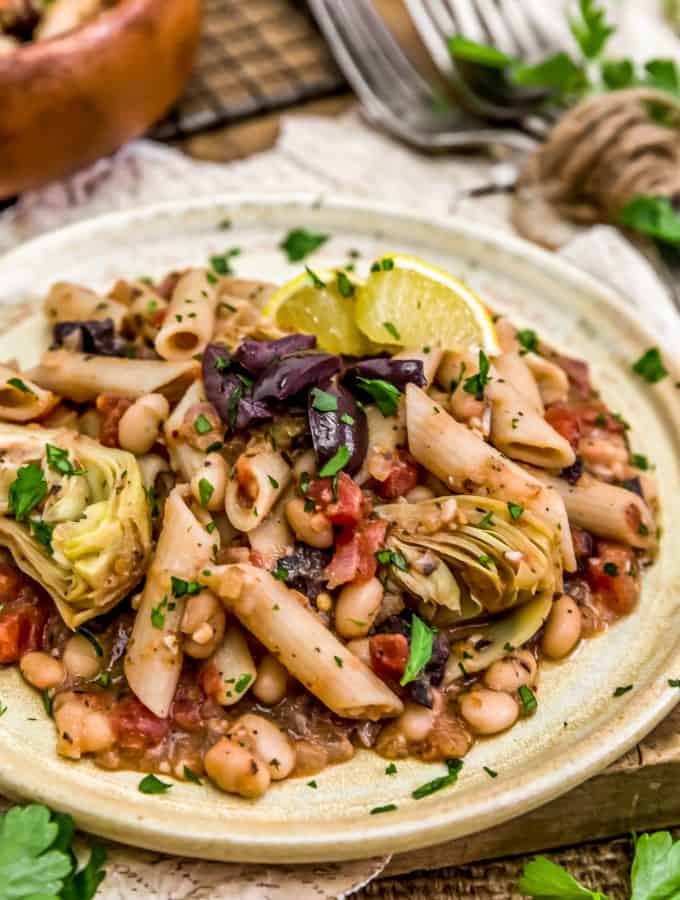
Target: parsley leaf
<point>475,384</point>
<point>57,459</point>
<point>393,558</point>
<point>20,385</point>
<point>299,243</point>
<point>515,510</point>
<point>190,775</point>
<point>591,30</point>
<point>242,682</point>
<point>83,885</point>
<point>650,366</point>
<point>42,532</point>
<point>392,329</point>
<point>653,216</point>
<point>314,278</point>
<point>528,339</point>
<point>385,394</point>
<point>152,785</point>
<point>324,401</point>
<point>202,424</point>
<point>205,490</point>
<point>618,73</point>
<point>640,461</point>
<point>336,462</point>
<point>182,588</point>
<point>558,72</point>
<point>30,864</point>
<point>27,490</point>
<point>158,613</point>
<point>437,784</point>
<point>622,689</point>
<point>346,287</point>
<point>655,873</point>
<point>544,879</point>
<point>482,54</point>
<point>420,650</point>
<point>221,263</point>
<point>528,699</point>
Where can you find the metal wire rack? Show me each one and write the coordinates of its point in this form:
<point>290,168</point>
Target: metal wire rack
<point>255,56</point>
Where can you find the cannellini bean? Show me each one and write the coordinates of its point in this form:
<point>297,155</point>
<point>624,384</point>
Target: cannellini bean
<point>140,423</point>
<point>416,722</point>
<point>357,607</point>
<point>270,744</point>
<point>236,770</point>
<point>563,628</point>
<point>81,730</point>
<point>41,670</point>
<point>361,647</point>
<point>203,622</point>
<point>312,528</point>
<point>488,712</point>
<point>271,682</point>
<point>419,493</point>
<point>511,672</point>
<point>210,482</point>
<point>80,658</point>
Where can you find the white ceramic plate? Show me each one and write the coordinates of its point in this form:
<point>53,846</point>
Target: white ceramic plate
<point>579,727</point>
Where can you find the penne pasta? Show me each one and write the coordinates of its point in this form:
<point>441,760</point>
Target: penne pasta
<point>259,478</point>
<point>465,463</point>
<point>605,510</point>
<point>189,322</point>
<point>552,381</point>
<point>230,671</point>
<point>185,459</point>
<point>153,659</point>
<point>299,640</point>
<point>513,369</point>
<point>21,400</point>
<point>68,302</point>
<point>83,377</point>
<point>273,537</point>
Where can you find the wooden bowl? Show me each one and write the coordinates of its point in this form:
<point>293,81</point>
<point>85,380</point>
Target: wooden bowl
<point>68,101</point>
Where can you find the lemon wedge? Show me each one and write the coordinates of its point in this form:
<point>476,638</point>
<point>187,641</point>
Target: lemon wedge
<point>411,303</point>
<point>315,303</point>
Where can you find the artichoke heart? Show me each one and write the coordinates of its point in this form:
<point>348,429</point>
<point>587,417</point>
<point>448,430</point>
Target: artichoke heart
<point>74,516</point>
<point>498,554</point>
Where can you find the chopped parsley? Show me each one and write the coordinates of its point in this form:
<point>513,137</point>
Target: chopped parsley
<point>280,572</point>
<point>640,461</point>
<point>211,278</point>
<point>305,478</point>
<point>299,243</point>
<point>27,490</point>
<point>377,810</point>
<point>57,459</point>
<point>3,708</point>
<point>528,699</point>
<point>214,447</point>
<point>611,569</point>
<point>312,784</point>
<point>622,689</point>
<point>346,287</point>
<point>385,395</point>
<point>210,527</point>
<point>242,682</point>
<point>190,775</point>
<point>202,424</point>
<point>20,386</point>
<point>158,612</point>
<point>490,772</point>
<point>42,532</point>
<point>152,785</point>
<point>103,679</point>
<point>274,483</point>
<point>420,650</point>
<point>338,662</point>
<point>337,462</point>
<point>346,419</point>
<point>314,278</point>
<point>390,328</point>
<point>386,264</point>
<point>182,588</point>
<point>392,558</point>
<point>324,401</point>
<point>46,702</point>
<point>528,340</point>
<point>486,521</point>
<point>475,384</point>
<point>437,784</point>
<point>205,491</point>
<point>92,638</point>
<point>221,262</point>
<point>485,560</point>
<point>674,682</point>
<point>391,769</point>
<point>650,366</point>
<point>515,510</point>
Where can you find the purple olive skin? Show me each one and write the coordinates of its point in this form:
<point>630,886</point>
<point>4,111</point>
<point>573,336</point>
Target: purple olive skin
<point>255,356</point>
<point>95,336</point>
<point>286,377</point>
<point>398,372</point>
<point>330,432</point>
<point>227,392</point>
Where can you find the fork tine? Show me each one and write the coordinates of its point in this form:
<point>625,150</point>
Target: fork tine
<point>519,22</point>
<point>464,19</point>
<point>496,26</point>
<point>434,24</point>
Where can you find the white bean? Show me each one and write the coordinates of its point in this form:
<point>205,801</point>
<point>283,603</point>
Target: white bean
<point>563,629</point>
<point>488,712</point>
<point>139,425</point>
<point>510,673</point>
<point>268,743</point>
<point>80,658</point>
<point>419,493</point>
<point>416,722</point>
<point>203,622</point>
<point>236,770</point>
<point>41,670</point>
<point>361,647</point>
<point>210,482</point>
<point>357,607</point>
<point>312,528</point>
<point>271,682</point>
<point>81,730</point>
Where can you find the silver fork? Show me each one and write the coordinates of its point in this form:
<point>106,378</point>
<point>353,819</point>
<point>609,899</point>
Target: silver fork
<point>393,94</point>
<point>529,30</point>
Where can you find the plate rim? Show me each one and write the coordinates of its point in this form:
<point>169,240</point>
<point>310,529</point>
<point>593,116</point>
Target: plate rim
<point>431,822</point>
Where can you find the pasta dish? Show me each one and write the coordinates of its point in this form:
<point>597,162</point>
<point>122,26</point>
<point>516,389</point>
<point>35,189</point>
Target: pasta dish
<point>241,544</point>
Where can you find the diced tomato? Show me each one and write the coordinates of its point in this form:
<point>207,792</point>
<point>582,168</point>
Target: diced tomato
<point>566,421</point>
<point>210,680</point>
<point>24,611</point>
<point>11,581</point>
<point>355,550</point>
<point>136,727</point>
<point>577,372</point>
<point>584,544</point>
<point>345,508</point>
<point>389,655</point>
<point>186,706</point>
<point>612,575</point>
<point>402,477</point>
<point>111,409</point>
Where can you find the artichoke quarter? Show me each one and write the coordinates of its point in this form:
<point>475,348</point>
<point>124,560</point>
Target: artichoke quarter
<point>74,516</point>
<point>498,555</point>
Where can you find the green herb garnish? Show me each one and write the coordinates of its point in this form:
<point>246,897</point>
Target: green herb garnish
<point>202,424</point>
<point>337,462</point>
<point>299,243</point>
<point>515,510</point>
<point>346,288</point>
<point>622,689</point>
<point>182,588</point>
<point>392,329</point>
<point>475,384</point>
<point>20,386</point>
<point>314,278</point>
<point>324,401</point>
<point>420,650</point>
<point>437,784</point>
<point>650,366</point>
<point>528,699</point>
<point>152,785</point>
<point>385,395</point>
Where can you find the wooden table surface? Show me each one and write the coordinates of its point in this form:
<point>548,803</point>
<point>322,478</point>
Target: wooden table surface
<point>640,792</point>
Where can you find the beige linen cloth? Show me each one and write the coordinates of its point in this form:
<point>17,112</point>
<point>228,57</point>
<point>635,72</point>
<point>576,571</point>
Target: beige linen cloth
<point>321,156</point>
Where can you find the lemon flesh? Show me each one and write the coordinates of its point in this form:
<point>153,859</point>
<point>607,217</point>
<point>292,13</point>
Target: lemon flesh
<point>299,306</point>
<point>414,304</point>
